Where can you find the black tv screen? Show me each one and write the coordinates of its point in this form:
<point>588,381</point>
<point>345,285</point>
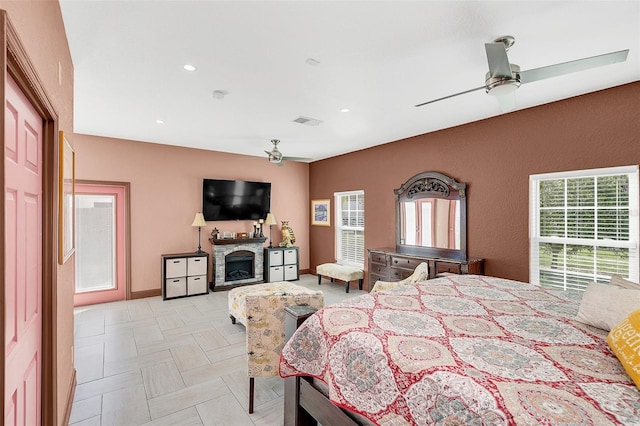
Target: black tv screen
<point>235,199</point>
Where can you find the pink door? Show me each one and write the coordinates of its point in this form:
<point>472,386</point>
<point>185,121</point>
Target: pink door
<point>23,248</point>
<point>100,244</point>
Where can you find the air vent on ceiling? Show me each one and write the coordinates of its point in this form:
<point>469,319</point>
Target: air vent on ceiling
<point>308,121</point>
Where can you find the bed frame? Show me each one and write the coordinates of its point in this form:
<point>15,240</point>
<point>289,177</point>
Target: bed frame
<point>304,404</point>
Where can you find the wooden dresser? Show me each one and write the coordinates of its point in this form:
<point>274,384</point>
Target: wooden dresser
<point>387,264</point>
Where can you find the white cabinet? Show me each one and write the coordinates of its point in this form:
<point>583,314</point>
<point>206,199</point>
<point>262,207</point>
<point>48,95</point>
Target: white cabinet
<point>184,274</point>
<point>281,264</point>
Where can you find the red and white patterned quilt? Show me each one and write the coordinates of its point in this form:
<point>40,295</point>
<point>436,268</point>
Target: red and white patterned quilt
<point>464,349</point>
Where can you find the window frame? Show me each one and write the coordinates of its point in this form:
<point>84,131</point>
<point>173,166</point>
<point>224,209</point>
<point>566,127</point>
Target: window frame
<point>534,225</point>
<point>339,228</point>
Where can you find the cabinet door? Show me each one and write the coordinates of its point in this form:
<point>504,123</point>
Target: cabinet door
<point>197,285</point>
<point>197,266</point>
<point>175,287</point>
<point>276,273</point>
<point>291,272</point>
<point>290,257</point>
<point>176,267</point>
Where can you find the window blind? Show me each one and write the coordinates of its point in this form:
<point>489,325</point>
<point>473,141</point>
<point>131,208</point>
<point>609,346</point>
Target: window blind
<point>350,227</point>
<point>583,227</point>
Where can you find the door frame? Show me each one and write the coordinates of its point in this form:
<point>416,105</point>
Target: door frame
<point>15,62</point>
<point>126,224</point>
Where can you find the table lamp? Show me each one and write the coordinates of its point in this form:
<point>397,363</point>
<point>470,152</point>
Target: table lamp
<point>199,222</point>
<point>271,220</point>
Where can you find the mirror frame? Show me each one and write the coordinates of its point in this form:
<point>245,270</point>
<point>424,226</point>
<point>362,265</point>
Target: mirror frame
<point>432,185</point>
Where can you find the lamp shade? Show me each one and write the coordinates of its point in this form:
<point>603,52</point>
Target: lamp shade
<point>199,220</point>
<point>270,220</point>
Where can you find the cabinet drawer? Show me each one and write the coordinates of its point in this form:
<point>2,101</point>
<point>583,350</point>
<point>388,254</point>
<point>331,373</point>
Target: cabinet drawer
<point>197,266</point>
<point>276,273</point>
<point>275,257</point>
<point>404,262</point>
<point>290,257</point>
<point>379,258</point>
<point>453,268</point>
<point>197,285</point>
<point>175,267</point>
<point>291,272</point>
<point>176,287</point>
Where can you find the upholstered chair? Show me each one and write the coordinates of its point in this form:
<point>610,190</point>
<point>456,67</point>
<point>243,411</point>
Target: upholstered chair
<point>260,308</point>
<point>421,273</point>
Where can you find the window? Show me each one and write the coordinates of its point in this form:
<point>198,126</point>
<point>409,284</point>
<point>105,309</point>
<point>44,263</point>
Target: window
<point>583,227</point>
<point>350,228</point>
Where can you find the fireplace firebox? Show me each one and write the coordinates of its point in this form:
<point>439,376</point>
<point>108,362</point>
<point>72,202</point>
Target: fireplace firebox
<point>239,265</point>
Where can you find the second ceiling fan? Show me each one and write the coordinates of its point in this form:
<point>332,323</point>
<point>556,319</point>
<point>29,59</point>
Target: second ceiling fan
<point>276,157</point>
<point>504,78</point>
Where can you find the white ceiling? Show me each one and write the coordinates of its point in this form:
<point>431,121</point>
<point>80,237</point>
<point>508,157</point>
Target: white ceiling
<point>376,58</point>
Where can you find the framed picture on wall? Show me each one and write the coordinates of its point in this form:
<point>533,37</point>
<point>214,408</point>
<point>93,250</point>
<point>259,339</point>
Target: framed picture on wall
<point>66,199</point>
<point>320,212</point>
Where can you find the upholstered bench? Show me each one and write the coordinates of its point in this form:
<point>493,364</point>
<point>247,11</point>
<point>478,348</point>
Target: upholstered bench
<point>340,272</point>
<point>260,308</point>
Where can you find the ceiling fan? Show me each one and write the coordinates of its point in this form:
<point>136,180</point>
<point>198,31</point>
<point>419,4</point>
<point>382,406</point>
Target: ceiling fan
<point>504,78</point>
<point>276,157</point>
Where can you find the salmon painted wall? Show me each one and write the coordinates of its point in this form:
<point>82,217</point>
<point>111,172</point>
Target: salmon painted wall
<point>41,31</point>
<point>495,158</point>
<point>166,193</point>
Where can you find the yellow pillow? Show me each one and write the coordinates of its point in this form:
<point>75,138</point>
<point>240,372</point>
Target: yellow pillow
<point>624,341</point>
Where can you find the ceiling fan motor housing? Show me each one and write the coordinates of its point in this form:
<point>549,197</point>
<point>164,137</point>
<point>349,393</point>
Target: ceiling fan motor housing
<point>503,85</point>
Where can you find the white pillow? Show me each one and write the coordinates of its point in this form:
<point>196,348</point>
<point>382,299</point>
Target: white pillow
<point>624,283</point>
<point>605,305</point>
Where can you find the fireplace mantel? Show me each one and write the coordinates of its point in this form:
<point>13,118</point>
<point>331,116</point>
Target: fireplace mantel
<point>226,241</point>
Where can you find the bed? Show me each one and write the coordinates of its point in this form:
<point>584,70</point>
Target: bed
<point>462,349</point>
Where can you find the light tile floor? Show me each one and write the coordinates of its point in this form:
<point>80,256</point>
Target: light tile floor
<point>174,362</point>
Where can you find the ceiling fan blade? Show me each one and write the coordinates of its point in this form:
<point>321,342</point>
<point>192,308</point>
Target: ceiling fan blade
<point>303,159</point>
<point>451,96</point>
<point>573,66</point>
<point>497,59</point>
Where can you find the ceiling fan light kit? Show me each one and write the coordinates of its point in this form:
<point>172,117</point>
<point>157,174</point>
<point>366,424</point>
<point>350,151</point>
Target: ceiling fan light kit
<point>504,78</point>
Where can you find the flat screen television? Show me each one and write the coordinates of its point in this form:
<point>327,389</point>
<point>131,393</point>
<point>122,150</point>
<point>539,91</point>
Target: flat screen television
<point>235,199</point>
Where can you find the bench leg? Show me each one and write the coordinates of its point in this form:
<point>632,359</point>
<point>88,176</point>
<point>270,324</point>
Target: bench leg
<point>319,278</point>
<point>346,287</point>
<point>360,284</point>
<point>233,319</point>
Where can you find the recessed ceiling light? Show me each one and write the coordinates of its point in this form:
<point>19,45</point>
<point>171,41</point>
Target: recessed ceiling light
<point>345,110</point>
<point>189,67</point>
<point>160,121</point>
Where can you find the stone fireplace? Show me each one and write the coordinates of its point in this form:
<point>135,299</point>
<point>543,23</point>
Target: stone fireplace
<point>237,261</point>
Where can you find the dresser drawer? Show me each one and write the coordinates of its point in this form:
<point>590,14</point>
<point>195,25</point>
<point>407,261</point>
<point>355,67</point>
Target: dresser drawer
<point>453,268</point>
<point>379,258</point>
<point>405,262</point>
<point>378,270</point>
<point>397,274</point>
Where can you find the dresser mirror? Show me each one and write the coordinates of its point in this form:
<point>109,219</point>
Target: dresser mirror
<point>431,216</point>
